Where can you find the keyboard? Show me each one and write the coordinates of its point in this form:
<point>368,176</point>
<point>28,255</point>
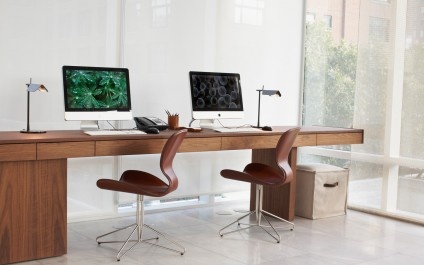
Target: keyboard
<point>238,129</point>
<point>113,132</point>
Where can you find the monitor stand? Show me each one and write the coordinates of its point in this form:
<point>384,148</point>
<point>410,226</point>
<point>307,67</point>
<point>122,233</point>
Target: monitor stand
<point>89,125</point>
<point>207,123</point>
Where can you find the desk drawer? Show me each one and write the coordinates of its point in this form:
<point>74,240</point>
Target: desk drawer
<point>200,145</point>
<point>305,140</point>
<point>249,142</point>
<point>339,138</point>
<point>153,146</point>
<point>263,142</point>
<point>129,147</point>
<point>17,152</point>
<point>64,150</point>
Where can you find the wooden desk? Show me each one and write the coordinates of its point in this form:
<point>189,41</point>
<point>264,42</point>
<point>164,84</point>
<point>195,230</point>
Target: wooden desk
<point>33,176</point>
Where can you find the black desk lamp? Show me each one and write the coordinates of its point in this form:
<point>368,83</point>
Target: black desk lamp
<point>267,93</point>
<point>32,88</point>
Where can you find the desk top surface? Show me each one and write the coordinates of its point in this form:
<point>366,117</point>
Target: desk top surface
<point>12,137</point>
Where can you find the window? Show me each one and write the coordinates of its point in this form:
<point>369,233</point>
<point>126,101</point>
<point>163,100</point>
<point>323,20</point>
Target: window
<point>249,12</point>
<point>373,80</point>
<point>328,21</point>
<point>379,29</point>
<point>161,9</point>
<point>310,17</point>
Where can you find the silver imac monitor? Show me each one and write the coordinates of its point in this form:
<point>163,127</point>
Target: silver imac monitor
<point>215,96</point>
<point>96,93</point>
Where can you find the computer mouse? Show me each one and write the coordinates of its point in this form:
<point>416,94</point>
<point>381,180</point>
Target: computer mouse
<point>266,128</point>
<point>152,130</point>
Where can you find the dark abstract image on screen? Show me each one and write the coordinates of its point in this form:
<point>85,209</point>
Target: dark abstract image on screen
<point>88,89</point>
<point>215,92</point>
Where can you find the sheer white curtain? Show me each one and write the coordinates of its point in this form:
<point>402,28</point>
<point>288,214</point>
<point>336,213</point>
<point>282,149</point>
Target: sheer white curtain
<point>164,40</point>
<point>160,41</point>
<point>38,38</point>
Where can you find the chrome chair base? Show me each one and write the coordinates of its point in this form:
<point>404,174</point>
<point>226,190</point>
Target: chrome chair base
<point>138,230</point>
<point>259,215</point>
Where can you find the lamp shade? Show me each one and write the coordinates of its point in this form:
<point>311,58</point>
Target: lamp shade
<point>271,93</point>
<point>36,87</point>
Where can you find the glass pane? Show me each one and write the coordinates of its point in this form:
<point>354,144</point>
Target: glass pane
<point>307,158</point>
<point>412,129</point>
<point>411,190</point>
<point>365,184</point>
<point>346,67</point>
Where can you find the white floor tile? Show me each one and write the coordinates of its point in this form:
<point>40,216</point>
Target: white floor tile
<point>355,238</point>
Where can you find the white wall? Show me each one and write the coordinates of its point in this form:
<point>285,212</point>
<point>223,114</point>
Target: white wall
<point>160,43</point>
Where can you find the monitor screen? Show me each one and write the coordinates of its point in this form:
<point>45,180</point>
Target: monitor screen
<point>216,95</point>
<point>96,93</point>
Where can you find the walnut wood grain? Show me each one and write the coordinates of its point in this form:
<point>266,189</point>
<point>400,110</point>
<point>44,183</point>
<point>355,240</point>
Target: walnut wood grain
<point>18,152</point>
<point>305,140</point>
<point>65,150</point>
<point>153,146</point>
<point>279,201</point>
<point>32,210</point>
<point>340,138</point>
<point>249,142</point>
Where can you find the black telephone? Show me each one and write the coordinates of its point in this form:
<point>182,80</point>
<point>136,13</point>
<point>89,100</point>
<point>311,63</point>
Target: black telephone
<point>147,122</point>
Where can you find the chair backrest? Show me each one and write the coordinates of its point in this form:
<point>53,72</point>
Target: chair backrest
<point>167,157</point>
<point>282,152</point>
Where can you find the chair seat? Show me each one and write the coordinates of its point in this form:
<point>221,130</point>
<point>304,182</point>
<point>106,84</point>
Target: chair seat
<point>257,173</point>
<point>260,175</point>
<point>137,182</point>
<point>142,183</point>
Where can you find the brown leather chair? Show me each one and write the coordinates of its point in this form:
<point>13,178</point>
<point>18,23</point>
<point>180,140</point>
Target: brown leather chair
<point>260,175</point>
<point>143,183</point>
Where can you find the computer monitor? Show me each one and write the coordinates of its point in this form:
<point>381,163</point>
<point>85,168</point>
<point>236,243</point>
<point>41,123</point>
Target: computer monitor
<point>96,93</point>
<point>215,96</point>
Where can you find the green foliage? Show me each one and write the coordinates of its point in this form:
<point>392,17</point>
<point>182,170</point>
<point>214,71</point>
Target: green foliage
<point>96,90</point>
<point>330,79</point>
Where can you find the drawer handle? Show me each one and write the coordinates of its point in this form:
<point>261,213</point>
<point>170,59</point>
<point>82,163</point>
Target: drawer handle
<point>327,185</point>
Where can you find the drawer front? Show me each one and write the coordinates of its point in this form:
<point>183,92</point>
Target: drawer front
<point>249,142</point>
<point>18,152</point>
<point>154,146</point>
<point>339,138</point>
<point>129,147</point>
<point>64,150</point>
<point>305,140</point>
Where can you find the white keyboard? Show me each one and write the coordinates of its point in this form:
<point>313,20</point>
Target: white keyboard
<point>238,129</point>
<point>113,132</point>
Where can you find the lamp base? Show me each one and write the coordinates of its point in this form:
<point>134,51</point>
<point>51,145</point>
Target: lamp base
<point>263,128</point>
<point>32,131</point>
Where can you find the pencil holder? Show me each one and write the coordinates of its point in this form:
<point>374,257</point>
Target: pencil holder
<point>173,122</point>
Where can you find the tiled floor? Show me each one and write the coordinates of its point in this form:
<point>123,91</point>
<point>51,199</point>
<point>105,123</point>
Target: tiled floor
<point>356,238</point>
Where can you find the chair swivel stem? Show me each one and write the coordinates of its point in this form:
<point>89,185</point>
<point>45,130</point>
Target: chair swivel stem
<point>259,199</point>
<point>140,216</point>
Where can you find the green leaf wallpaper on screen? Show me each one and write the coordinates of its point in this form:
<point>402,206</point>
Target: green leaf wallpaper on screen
<point>96,90</point>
